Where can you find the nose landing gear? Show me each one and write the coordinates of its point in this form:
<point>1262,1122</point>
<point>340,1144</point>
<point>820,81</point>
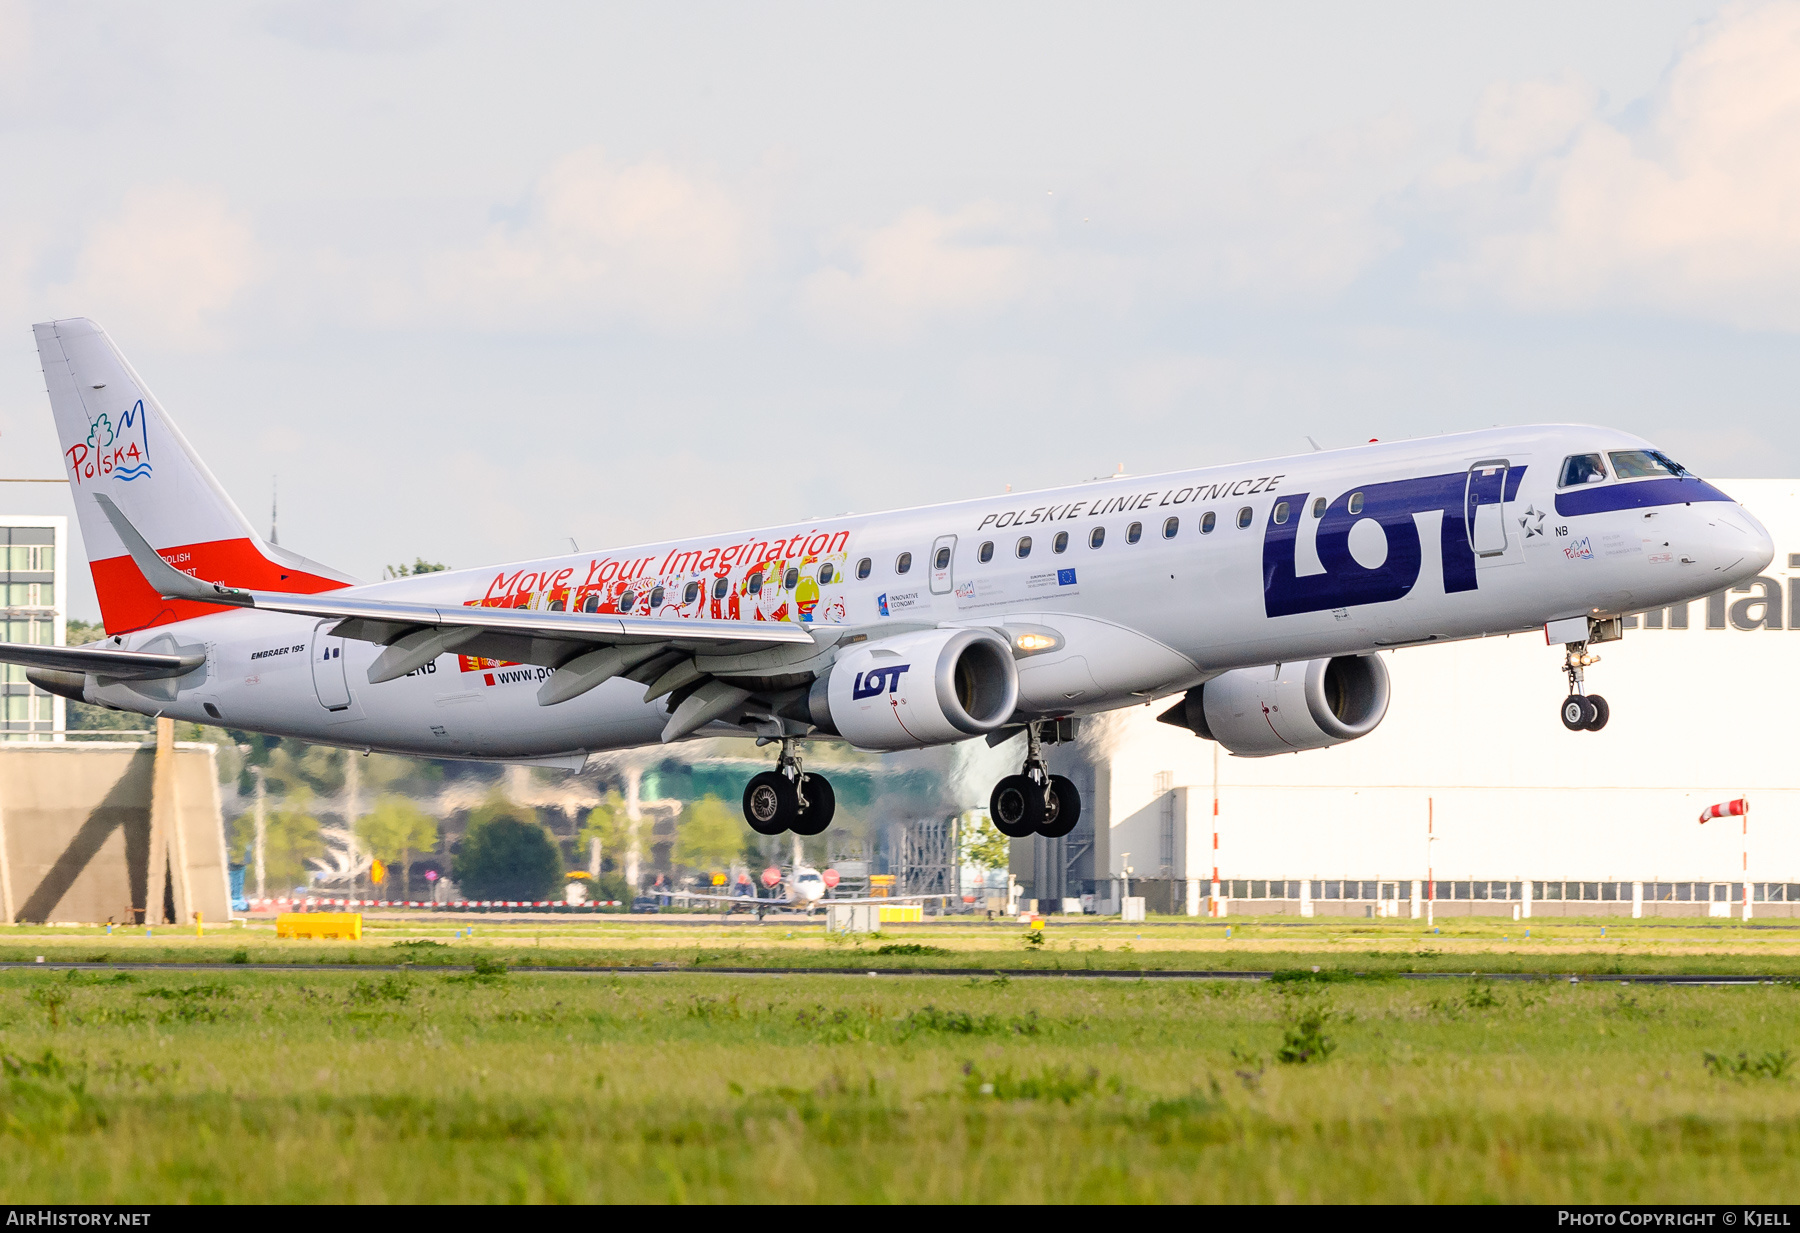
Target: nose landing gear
<point>1034,802</point>
<point>789,799</point>
<point>1581,712</point>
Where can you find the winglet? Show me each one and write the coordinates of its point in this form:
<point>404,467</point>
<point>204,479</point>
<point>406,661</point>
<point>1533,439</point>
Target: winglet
<point>165,579</point>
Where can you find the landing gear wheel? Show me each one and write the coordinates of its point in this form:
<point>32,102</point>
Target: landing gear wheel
<point>1068,809</point>
<point>1574,714</point>
<point>1598,713</point>
<point>821,803</point>
<point>1016,806</point>
<point>769,803</point>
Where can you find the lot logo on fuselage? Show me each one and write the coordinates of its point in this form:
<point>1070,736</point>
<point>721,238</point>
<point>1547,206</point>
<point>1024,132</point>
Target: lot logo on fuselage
<point>1345,581</point>
<point>876,681</point>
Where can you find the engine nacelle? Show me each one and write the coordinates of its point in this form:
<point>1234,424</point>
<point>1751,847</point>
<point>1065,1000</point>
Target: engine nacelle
<point>1313,704</point>
<point>918,689</point>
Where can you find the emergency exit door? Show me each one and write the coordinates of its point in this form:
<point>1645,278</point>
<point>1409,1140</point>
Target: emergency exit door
<point>1484,506</point>
<point>328,668</point>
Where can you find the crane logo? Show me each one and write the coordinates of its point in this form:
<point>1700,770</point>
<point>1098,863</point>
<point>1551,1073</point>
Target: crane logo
<point>877,681</point>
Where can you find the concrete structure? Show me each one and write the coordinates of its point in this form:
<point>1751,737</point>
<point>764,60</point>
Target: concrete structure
<point>1705,707</point>
<point>116,832</point>
<point>33,586</point>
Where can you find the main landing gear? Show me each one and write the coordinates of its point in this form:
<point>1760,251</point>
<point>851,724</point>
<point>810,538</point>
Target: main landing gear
<point>1034,802</point>
<point>1581,712</point>
<point>788,799</point>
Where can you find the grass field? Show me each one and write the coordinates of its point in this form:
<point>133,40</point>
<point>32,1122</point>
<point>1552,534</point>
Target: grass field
<point>499,1085</point>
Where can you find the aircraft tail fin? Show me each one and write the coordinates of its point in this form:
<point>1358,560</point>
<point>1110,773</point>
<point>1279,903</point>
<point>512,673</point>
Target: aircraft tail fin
<point>118,442</point>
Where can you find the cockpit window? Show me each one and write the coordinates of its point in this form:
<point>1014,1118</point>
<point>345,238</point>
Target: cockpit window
<point>1582,469</point>
<point>1643,464</point>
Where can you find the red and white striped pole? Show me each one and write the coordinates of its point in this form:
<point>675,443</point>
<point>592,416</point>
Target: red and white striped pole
<point>1213,902</point>
<point>1430,871</point>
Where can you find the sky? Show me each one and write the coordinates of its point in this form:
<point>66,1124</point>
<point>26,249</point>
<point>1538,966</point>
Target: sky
<point>475,281</point>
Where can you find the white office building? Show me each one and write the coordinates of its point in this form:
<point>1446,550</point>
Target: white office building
<point>34,576</point>
<point>1523,814</point>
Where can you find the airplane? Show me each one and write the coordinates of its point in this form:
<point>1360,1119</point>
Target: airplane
<point>805,890</point>
<point>1255,595</point>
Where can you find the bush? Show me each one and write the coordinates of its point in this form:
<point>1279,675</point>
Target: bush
<point>506,856</point>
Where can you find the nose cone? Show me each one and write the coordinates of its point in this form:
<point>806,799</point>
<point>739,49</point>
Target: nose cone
<point>1740,545</point>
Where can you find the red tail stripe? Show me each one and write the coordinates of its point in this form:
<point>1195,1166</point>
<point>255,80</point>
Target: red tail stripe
<point>128,603</point>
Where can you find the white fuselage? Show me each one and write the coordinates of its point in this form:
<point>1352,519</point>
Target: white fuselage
<point>1411,546</point>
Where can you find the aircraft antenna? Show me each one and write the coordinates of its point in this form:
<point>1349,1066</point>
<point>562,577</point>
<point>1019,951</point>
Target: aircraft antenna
<point>274,509</point>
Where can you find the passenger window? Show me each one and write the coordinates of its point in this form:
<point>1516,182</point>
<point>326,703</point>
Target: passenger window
<point>755,585</point>
<point>1245,516</point>
<point>903,562</point>
<point>984,554</point>
<point>943,559</point>
<point>1281,513</point>
<point>1023,549</point>
<point>1170,526</point>
<point>1356,503</point>
<point>1208,521</point>
<point>827,574</point>
<point>1096,537</point>
<point>591,603</point>
<point>863,567</point>
<point>628,601</point>
<point>1583,469</point>
<point>790,580</point>
<point>1319,507</point>
<point>1134,532</point>
<point>720,586</point>
<point>691,594</point>
<point>1643,464</point>
<point>656,599</point>
<point>1060,543</point>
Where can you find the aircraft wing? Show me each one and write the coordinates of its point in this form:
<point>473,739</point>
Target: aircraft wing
<point>101,661</point>
<point>586,649</point>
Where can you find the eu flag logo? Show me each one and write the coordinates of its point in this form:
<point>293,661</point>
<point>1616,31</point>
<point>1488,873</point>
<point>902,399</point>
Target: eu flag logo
<point>1065,577</point>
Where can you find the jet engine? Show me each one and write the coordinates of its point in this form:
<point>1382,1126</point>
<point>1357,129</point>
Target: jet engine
<point>1313,704</point>
<point>917,689</point>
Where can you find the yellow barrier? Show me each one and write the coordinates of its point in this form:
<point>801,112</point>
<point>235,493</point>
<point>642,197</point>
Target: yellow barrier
<point>344,926</point>
<point>902,914</point>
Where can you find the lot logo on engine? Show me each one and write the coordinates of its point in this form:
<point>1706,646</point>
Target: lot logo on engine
<point>876,681</point>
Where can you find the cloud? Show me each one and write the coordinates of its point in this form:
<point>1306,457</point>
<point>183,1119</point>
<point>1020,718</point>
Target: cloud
<point>1693,211</point>
<point>600,241</point>
<point>928,267</point>
<point>359,25</point>
<point>172,258</point>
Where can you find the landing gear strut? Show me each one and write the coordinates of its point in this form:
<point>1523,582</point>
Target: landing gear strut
<point>789,799</point>
<point>1581,712</point>
<point>1034,802</point>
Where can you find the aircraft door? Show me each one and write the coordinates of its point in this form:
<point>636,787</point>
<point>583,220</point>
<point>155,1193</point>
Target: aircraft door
<point>943,565</point>
<point>328,668</point>
<point>1484,507</point>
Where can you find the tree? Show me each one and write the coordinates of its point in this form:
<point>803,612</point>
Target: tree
<point>394,830</point>
<point>419,566</point>
<point>983,845</point>
<point>607,823</point>
<point>711,835</point>
<point>506,854</point>
<point>293,839</point>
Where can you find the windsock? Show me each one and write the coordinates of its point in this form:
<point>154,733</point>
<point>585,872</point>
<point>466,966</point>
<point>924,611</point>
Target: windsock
<point>1725,809</point>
